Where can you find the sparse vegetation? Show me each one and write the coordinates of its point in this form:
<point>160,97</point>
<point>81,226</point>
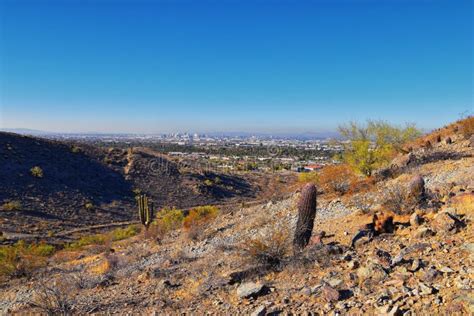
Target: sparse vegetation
<point>36,172</point>
<point>22,259</point>
<point>89,206</point>
<point>102,239</point>
<point>124,233</point>
<point>374,144</point>
<point>267,250</point>
<point>12,206</point>
<point>54,298</point>
<point>308,177</point>
<point>467,127</point>
<point>75,149</point>
<point>170,218</point>
<point>198,218</point>
<point>336,178</point>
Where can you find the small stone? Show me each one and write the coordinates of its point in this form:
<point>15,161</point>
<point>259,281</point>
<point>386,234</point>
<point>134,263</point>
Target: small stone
<point>330,294</point>
<point>334,282</point>
<point>416,264</point>
<point>425,289</point>
<point>249,289</point>
<point>423,232</point>
<point>415,220</point>
<point>447,223</point>
<point>353,265</point>
<point>306,291</point>
<point>445,269</point>
<point>259,311</point>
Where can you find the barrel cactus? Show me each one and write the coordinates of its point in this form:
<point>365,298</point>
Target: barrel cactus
<point>306,215</point>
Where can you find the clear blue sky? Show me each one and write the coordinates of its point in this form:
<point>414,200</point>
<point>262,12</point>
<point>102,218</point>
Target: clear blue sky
<point>157,66</point>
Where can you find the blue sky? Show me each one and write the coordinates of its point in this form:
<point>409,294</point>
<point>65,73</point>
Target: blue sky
<point>263,66</point>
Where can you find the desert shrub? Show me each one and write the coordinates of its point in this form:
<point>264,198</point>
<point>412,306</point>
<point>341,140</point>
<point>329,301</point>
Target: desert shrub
<point>96,239</point>
<point>268,250</point>
<point>306,177</point>
<point>336,178</point>
<point>89,206</point>
<point>22,259</point>
<point>107,266</point>
<point>198,219</point>
<point>75,149</point>
<point>36,172</point>
<point>124,233</point>
<point>12,206</point>
<point>374,144</point>
<point>169,218</point>
<point>360,185</point>
<point>467,127</point>
<point>54,298</point>
<point>397,200</point>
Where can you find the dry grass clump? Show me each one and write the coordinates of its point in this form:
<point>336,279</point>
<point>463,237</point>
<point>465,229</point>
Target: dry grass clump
<point>269,249</point>
<point>467,127</point>
<point>106,266</point>
<point>336,178</point>
<point>198,219</point>
<point>55,297</point>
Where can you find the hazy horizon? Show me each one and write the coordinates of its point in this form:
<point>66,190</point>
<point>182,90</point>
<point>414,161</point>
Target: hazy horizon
<point>267,67</point>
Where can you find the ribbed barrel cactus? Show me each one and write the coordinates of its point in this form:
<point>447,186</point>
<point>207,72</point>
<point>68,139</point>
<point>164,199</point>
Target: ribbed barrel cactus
<point>306,215</point>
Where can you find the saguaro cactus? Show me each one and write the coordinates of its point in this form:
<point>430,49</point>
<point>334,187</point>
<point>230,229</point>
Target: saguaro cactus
<point>306,214</point>
<point>145,211</point>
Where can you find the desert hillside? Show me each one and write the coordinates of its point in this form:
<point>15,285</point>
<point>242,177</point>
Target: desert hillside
<point>399,243</point>
<point>48,187</point>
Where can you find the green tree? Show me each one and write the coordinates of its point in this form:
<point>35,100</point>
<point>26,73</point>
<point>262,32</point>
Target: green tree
<point>373,145</point>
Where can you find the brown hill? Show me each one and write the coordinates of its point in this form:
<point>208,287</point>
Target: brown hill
<point>77,185</point>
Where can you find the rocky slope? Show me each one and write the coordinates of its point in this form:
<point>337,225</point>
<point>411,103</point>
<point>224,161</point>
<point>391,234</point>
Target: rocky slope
<point>424,265</point>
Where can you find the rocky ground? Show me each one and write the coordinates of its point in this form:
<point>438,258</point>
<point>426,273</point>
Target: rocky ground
<point>424,266</point>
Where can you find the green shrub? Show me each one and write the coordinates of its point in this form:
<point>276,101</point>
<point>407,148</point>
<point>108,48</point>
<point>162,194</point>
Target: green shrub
<point>12,206</point>
<point>306,177</point>
<point>22,259</point>
<point>198,219</point>
<point>170,218</point>
<point>89,206</point>
<point>36,172</point>
<point>374,144</point>
<point>124,233</point>
<point>200,215</point>
<point>97,239</point>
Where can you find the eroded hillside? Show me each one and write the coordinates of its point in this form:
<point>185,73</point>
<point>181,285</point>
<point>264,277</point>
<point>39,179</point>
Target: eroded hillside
<point>242,261</point>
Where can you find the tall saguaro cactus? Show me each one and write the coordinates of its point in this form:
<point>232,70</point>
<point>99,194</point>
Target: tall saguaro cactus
<point>145,211</point>
<point>306,215</point>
